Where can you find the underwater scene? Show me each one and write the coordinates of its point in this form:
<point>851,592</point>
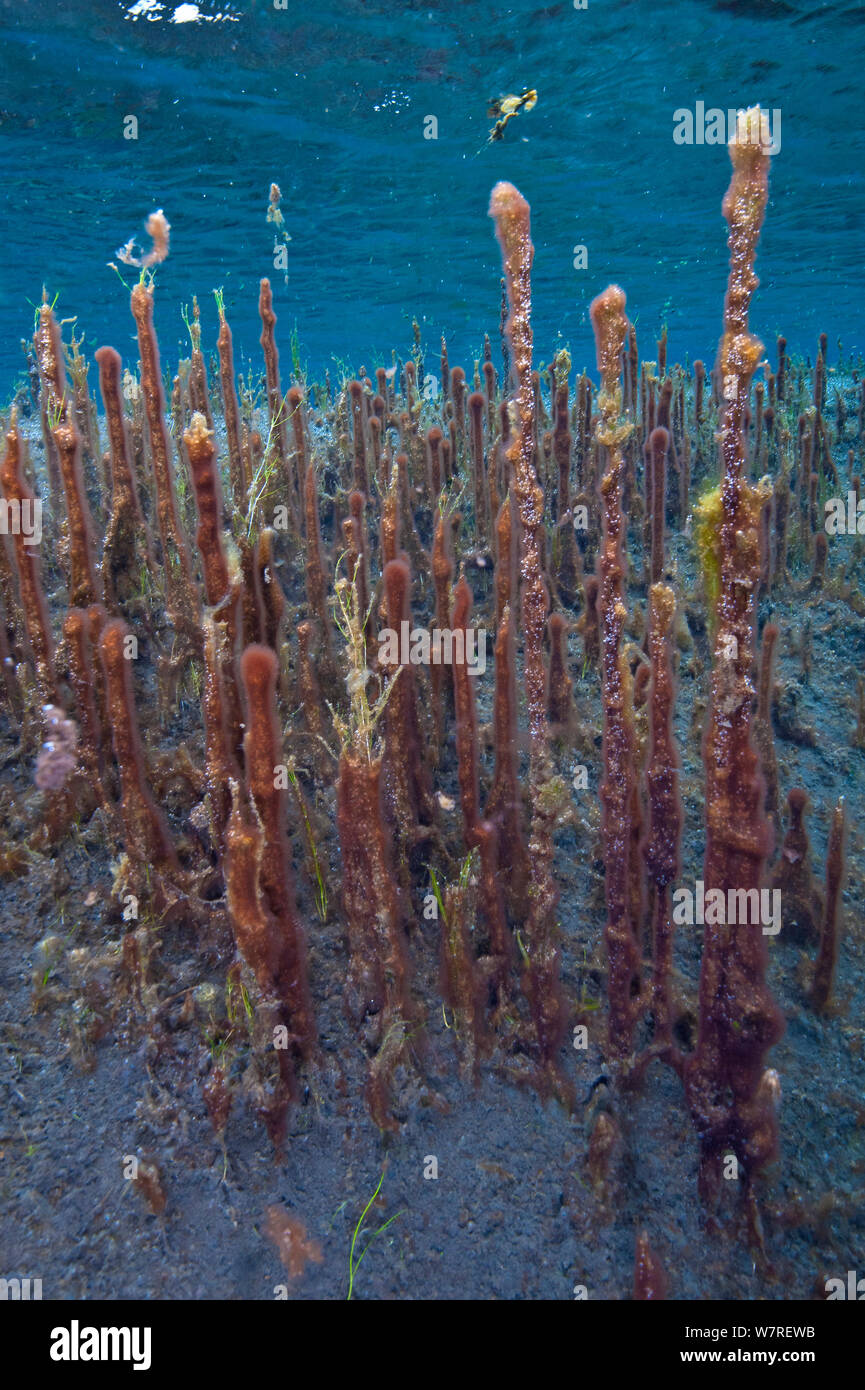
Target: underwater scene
<point>432,655</point>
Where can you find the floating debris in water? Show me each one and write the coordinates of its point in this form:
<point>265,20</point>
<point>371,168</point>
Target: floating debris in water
<point>503,110</point>
<point>158,229</point>
<point>281,236</point>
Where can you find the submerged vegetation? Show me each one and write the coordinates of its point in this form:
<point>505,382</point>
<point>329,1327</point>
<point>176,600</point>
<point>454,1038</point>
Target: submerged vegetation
<point>235,713</point>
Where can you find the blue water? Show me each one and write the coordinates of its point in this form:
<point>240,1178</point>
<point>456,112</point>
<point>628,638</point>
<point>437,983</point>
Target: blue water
<point>329,99</point>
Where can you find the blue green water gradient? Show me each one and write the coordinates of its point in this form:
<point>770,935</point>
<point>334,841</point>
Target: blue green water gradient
<point>330,99</point>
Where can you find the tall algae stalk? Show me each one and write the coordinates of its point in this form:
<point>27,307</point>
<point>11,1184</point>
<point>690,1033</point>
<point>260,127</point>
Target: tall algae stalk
<point>510,211</point>
<point>378,980</point>
<point>618,785</point>
<point>37,625</point>
<point>181,595</point>
<point>662,849</point>
<point>739,1020</point>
